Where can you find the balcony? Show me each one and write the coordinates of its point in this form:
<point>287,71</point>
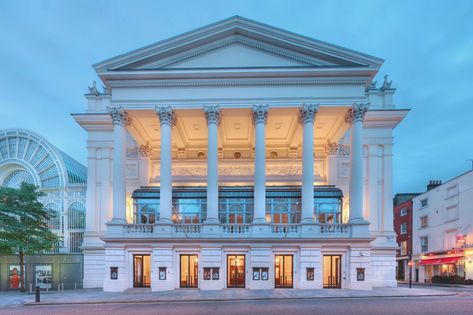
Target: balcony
<point>229,231</point>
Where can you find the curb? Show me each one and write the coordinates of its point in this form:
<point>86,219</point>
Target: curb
<point>230,300</point>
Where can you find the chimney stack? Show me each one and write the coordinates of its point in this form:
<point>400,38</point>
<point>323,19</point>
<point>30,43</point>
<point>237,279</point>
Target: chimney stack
<point>433,183</point>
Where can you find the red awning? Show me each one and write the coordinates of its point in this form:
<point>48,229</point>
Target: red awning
<point>439,261</point>
<point>429,262</point>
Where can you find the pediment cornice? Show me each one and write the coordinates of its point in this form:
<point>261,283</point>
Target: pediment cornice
<point>236,28</point>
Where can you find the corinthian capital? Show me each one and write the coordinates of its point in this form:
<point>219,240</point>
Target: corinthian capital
<point>307,113</point>
<point>212,114</point>
<point>166,115</point>
<point>331,148</point>
<point>356,113</point>
<point>119,116</point>
<point>260,114</point>
<point>145,150</point>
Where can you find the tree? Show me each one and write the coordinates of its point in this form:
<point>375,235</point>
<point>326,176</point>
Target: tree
<point>24,224</point>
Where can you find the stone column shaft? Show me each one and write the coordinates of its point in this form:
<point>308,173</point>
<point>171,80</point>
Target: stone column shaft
<point>356,116</point>
<point>212,115</point>
<point>307,118</point>
<point>260,116</point>
<point>120,120</point>
<point>166,118</point>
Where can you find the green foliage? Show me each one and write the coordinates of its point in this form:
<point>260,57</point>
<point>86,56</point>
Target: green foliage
<point>23,222</point>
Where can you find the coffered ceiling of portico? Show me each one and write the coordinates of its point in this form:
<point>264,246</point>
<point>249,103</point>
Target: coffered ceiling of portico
<point>236,131</point>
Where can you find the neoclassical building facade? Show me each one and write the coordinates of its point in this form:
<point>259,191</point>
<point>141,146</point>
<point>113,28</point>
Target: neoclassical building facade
<point>28,157</point>
<point>239,155</point>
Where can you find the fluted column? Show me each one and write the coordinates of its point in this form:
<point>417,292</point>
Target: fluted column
<point>212,115</point>
<point>355,117</point>
<point>307,118</point>
<point>260,117</point>
<point>166,118</point>
<point>120,120</point>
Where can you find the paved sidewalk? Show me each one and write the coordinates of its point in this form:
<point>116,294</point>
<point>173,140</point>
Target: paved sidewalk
<point>91,296</point>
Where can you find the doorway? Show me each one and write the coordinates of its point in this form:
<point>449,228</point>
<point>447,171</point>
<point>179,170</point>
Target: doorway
<point>189,271</point>
<point>236,271</point>
<point>283,271</point>
<point>141,271</point>
<point>332,271</point>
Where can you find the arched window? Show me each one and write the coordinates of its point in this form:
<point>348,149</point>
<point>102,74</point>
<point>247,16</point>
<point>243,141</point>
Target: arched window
<point>76,216</point>
<point>236,214</point>
<point>15,178</point>
<point>147,215</point>
<point>54,221</point>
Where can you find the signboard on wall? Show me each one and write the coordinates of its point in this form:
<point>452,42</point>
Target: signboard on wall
<point>14,276</point>
<point>43,276</point>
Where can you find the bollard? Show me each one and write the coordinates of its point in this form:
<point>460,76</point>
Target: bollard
<point>47,289</point>
<point>58,287</point>
<point>31,288</point>
<point>62,286</point>
<point>37,297</point>
<point>75,285</point>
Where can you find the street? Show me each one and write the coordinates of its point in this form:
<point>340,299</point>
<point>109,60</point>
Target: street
<point>451,305</point>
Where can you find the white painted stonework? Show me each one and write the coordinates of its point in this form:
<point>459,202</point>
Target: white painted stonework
<point>314,94</point>
<point>447,214</point>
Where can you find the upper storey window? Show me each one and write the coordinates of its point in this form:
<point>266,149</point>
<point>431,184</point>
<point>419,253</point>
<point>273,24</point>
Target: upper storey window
<point>424,202</point>
<point>404,212</point>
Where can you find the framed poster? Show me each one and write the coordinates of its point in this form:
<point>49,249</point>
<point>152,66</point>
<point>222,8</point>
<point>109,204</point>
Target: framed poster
<point>264,273</point>
<point>114,273</point>
<point>14,276</point>
<point>310,274</point>
<point>215,273</point>
<point>360,274</point>
<point>43,276</point>
<point>256,273</point>
<point>207,272</point>
<point>162,273</point>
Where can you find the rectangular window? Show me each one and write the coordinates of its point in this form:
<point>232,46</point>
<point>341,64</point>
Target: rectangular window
<point>403,228</point>
<point>424,221</point>
<point>450,239</point>
<point>424,203</point>
<point>403,212</point>
<point>424,243</point>
<point>452,191</point>
<point>403,248</point>
<point>452,213</point>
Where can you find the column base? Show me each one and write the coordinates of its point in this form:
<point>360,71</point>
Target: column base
<point>309,220</point>
<point>212,221</point>
<point>164,221</point>
<point>260,221</point>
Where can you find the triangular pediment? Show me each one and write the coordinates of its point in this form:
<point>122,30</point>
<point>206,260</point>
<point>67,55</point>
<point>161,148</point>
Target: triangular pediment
<point>237,43</point>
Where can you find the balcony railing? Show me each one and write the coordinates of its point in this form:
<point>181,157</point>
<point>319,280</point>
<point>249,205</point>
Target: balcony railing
<point>230,231</point>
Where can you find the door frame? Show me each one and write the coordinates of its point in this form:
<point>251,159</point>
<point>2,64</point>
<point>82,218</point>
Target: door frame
<point>142,268</point>
<point>244,271</point>
<point>180,270</point>
<point>339,286</point>
<point>292,271</point>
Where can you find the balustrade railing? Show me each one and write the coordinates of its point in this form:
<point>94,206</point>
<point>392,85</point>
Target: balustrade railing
<point>285,228</point>
<point>187,228</point>
<point>139,228</point>
<point>235,228</point>
<point>334,228</point>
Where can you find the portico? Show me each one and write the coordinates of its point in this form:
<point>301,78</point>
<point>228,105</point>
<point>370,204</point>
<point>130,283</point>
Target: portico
<point>241,161</point>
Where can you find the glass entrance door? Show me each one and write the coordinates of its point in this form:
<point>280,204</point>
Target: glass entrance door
<point>283,271</point>
<point>141,271</point>
<point>332,271</point>
<point>189,271</point>
<point>236,271</point>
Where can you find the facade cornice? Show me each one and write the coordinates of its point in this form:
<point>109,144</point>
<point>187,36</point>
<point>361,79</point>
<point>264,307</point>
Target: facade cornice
<point>94,121</point>
<point>333,73</point>
<point>239,82</point>
<point>384,118</point>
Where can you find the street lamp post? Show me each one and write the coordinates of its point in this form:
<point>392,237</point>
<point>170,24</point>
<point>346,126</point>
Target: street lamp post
<point>410,263</point>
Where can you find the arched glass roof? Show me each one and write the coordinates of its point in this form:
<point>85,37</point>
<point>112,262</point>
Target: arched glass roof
<point>49,166</point>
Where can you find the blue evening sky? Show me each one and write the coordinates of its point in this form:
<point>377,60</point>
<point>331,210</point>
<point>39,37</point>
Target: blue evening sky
<point>47,49</point>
